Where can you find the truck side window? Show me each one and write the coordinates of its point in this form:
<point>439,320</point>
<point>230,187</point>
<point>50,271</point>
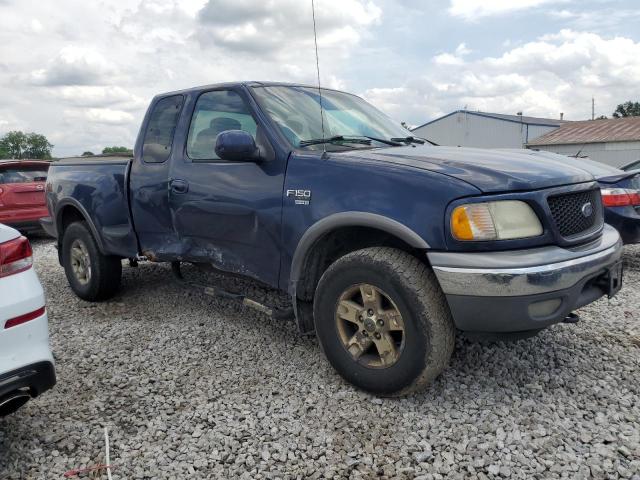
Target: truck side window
<point>162,125</point>
<point>216,112</point>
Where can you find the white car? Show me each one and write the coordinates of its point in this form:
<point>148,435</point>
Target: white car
<point>26,363</point>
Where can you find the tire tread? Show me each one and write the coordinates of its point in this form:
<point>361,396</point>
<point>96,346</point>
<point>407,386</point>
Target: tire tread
<point>420,281</point>
<point>106,270</point>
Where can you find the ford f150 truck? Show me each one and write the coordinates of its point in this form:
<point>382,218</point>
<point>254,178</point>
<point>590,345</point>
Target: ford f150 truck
<point>385,244</point>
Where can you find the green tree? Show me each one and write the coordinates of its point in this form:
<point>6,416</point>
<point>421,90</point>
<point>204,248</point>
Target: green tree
<point>627,109</point>
<point>17,144</point>
<point>116,150</point>
<point>14,144</point>
<point>87,154</point>
<point>38,146</point>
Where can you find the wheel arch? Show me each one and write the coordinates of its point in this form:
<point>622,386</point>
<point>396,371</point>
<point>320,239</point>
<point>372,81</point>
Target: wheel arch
<point>394,232</point>
<point>70,210</point>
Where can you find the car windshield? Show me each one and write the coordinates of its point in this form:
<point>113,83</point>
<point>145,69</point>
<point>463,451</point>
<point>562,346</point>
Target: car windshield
<point>296,112</point>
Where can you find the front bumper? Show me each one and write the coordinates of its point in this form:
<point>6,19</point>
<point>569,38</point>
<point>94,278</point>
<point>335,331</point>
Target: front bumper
<point>524,290</point>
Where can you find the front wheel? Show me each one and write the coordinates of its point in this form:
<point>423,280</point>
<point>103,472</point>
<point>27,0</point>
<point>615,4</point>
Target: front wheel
<point>383,321</point>
<point>91,275</point>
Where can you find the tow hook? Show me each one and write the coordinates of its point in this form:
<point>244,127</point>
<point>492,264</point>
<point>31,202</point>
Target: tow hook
<point>571,318</point>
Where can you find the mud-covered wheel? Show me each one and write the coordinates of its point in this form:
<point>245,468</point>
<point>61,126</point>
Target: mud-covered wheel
<point>383,321</point>
<point>91,275</point>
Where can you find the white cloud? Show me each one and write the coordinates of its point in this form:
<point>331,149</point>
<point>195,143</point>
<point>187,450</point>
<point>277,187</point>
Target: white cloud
<point>284,28</point>
<point>608,19</point>
<point>447,59</point>
<point>106,116</point>
<point>36,25</point>
<point>9,121</point>
<point>555,73</point>
<point>72,66</point>
<point>474,9</point>
<point>462,50</point>
<point>84,72</point>
<point>453,58</point>
<point>98,96</point>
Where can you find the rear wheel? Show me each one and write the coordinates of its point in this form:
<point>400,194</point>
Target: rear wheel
<point>91,275</point>
<point>383,321</point>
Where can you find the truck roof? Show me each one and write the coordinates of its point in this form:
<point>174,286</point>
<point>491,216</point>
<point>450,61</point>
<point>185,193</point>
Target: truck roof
<point>250,83</point>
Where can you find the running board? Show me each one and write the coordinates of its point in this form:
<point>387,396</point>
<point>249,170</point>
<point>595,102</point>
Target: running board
<point>273,312</point>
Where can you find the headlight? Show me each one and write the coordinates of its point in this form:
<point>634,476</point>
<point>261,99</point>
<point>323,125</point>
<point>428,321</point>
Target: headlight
<point>503,220</point>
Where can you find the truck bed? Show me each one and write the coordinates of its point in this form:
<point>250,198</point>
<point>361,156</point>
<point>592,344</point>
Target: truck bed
<point>97,188</point>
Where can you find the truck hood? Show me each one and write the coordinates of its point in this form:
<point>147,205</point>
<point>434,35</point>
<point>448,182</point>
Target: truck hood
<point>603,173</point>
<point>490,171</point>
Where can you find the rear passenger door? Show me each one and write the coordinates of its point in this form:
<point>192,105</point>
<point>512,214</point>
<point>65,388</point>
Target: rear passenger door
<point>228,213</point>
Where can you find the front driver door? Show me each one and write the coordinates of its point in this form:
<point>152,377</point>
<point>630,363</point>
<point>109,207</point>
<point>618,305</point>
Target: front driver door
<point>227,213</point>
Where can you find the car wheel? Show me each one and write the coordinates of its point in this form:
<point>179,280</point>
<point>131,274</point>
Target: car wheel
<point>383,321</point>
<point>91,275</point>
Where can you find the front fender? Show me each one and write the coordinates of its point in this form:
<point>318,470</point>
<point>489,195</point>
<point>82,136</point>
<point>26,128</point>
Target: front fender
<point>348,219</point>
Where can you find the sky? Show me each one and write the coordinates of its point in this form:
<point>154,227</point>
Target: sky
<point>82,72</point>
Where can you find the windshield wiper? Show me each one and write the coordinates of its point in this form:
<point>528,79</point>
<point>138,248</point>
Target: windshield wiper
<point>408,140</point>
<point>334,139</point>
<point>393,142</point>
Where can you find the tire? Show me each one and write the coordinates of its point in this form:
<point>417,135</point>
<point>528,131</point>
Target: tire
<point>105,271</point>
<point>421,350</point>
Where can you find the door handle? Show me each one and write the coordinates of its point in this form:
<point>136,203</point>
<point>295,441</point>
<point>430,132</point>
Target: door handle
<point>179,186</point>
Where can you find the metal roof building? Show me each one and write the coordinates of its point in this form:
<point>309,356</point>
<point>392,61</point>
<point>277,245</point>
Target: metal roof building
<point>615,142</point>
<point>485,130</point>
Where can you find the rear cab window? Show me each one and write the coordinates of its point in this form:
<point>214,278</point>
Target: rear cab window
<point>158,138</point>
<point>22,175</point>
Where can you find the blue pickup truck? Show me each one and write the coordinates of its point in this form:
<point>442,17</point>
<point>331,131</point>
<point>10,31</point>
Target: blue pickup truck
<point>386,245</point>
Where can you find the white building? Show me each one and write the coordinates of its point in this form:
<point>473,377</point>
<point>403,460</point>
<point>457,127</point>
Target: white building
<point>615,142</point>
<point>486,130</point>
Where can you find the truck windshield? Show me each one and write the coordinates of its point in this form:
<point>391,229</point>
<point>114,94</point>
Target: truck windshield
<point>296,112</point>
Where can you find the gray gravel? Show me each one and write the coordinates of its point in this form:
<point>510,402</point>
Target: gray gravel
<point>199,386</point>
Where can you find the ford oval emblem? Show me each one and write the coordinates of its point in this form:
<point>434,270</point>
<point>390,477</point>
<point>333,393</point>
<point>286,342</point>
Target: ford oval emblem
<point>587,210</point>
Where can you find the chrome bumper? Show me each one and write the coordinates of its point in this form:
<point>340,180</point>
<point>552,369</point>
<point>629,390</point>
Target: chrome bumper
<point>524,272</point>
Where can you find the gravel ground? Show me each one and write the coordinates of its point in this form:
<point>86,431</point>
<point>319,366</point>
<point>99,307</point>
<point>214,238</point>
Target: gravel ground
<point>190,385</point>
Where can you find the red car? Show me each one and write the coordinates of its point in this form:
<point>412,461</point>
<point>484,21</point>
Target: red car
<point>22,199</point>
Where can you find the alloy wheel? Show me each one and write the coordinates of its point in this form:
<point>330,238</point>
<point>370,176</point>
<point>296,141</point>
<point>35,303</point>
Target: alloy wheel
<point>370,326</point>
<point>80,261</point>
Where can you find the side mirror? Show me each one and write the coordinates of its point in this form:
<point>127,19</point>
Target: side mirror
<point>237,146</point>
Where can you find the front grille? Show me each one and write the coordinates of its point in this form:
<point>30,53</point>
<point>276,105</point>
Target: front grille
<point>569,212</point>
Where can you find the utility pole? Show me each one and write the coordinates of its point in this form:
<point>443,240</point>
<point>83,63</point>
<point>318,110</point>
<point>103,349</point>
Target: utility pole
<point>593,108</point>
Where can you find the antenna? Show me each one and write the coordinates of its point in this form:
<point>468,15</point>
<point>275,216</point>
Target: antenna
<point>315,39</point>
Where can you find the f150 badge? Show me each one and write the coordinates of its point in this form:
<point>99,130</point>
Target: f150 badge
<point>301,197</point>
